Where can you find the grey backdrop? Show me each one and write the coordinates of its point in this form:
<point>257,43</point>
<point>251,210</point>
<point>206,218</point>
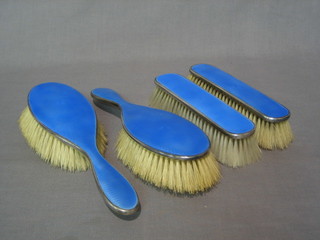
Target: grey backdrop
<point>272,45</point>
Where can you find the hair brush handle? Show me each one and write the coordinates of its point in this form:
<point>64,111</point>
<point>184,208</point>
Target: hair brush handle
<point>116,190</point>
<point>106,94</point>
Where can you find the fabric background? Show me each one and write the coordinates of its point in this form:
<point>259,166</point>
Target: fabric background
<point>272,45</point>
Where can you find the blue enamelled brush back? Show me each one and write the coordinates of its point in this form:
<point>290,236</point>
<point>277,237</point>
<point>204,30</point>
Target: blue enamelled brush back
<point>67,114</point>
<point>214,110</point>
<point>158,130</point>
<point>262,105</point>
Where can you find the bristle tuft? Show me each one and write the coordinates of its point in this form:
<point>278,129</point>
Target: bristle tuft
<point>277,135</point>
<point>53,150</point>
<point>229,151</point>
<point>180,176</point>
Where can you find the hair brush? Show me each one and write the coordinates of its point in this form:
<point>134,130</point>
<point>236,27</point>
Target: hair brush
<point>59,118</point>
<point>160,147</point>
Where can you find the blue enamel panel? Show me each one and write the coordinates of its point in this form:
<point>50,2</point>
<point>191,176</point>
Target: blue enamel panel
<point>67,113</point>
<point>64,111</point>
<point>210,107</point>
<point>159,130</point>
<point>246,94</point>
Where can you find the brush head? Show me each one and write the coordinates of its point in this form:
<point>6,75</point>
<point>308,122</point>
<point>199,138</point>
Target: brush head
<point>52,149</point>
<point>64,112</point>
<point>183,177</point>
<point>159,131</point>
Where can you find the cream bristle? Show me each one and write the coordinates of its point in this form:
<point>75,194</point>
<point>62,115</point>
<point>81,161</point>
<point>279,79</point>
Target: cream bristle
<point>180,176</point>
<point>53,150</point>
<point>229,151</point>
<point>277,135</point>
